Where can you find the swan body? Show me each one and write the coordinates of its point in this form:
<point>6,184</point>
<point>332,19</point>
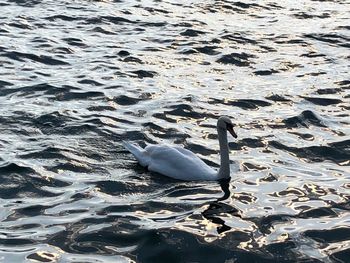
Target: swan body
<point>182,164</point>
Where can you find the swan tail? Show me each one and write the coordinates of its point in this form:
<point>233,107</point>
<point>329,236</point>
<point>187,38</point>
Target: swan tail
<point>139,153</point>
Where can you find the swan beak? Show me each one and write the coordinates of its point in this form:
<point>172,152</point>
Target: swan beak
<point>230,129</point>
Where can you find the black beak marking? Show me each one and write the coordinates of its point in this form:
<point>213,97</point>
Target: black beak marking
<point>229,127</point>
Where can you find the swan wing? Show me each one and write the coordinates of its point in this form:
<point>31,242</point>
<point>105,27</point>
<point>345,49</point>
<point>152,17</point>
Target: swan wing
<point>184,151</point>
<point>178,163</point>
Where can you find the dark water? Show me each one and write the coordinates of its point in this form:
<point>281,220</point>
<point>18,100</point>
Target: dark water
<point>78,77</point>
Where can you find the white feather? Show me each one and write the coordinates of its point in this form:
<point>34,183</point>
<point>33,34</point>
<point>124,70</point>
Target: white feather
<point>182,164</point>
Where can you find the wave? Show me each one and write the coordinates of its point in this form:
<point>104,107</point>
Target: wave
<point>44,59</point>
<point>337,152</point>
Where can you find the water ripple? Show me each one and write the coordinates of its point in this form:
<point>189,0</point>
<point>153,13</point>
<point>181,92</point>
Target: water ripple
<point>77,78</point>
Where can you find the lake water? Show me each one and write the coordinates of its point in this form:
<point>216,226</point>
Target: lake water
<point>78,77</point>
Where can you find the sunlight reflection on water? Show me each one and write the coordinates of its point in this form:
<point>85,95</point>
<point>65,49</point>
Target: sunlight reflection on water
<point>77,78</point>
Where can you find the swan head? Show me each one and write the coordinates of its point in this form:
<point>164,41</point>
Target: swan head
<point>225,123</point>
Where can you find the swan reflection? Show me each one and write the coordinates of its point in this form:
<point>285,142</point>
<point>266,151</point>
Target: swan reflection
<point>218,207</point>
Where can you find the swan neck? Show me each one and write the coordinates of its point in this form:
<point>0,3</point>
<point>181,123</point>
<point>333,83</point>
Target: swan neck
<point>224,171</point>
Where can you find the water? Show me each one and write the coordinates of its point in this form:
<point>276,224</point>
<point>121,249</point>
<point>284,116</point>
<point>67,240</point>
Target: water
<point>78,77</point>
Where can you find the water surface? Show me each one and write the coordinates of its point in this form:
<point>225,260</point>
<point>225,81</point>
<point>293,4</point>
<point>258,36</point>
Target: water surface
<point>78,77</point>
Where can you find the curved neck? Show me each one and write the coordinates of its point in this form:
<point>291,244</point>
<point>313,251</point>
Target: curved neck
<point>224,171</point>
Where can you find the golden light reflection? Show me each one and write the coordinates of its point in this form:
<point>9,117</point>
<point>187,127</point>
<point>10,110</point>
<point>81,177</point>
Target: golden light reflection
<point>261,241</point>
<point>246,245</point>
<point>200,227</point>
<point>315,189</point>
<point>45,174</point>
<point>345,163</point>
<point>47,256</point>
<point>79,164</point>
<point>161,214</point>
<point>185,120</point>
<point>346,185</point>
<point>108,121</point>
<point>291,191</point>
<point>283,237</point>
<point>113,104</point>
<point>209,226</point>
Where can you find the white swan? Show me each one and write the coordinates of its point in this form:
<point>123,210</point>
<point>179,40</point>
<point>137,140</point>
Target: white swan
<point>182,164</point>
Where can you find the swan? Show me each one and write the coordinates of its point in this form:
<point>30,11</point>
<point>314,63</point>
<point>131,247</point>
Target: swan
<point>182,164</point>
